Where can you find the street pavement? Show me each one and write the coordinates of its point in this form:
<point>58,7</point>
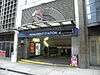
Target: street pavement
<point>5,72</point>
<point>37,69</point>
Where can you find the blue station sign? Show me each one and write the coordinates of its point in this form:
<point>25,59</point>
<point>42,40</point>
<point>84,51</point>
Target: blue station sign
<point>72,32</point>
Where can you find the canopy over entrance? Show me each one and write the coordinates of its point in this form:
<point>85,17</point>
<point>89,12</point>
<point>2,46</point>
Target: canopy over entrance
<point>49,28</point>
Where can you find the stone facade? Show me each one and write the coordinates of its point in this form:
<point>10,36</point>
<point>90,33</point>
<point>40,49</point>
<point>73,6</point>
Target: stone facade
<point>94,45</point>
<point>53,11</point>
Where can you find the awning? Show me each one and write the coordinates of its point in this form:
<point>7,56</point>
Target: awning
<point>54,28</point>
<point>43,24</point>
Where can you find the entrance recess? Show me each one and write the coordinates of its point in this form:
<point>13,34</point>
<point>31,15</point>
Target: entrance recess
<point>58,50</point>
<point>53,43</point>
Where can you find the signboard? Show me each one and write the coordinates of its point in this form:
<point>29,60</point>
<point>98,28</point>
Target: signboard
<point>43,33</point>
<point>2,53</point>
<point>73,32</point>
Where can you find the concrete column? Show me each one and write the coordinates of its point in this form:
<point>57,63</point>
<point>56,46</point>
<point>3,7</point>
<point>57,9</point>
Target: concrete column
<point>83,36</point>
<point>92,49</point>
<point>14,53</point>
<point>75,46</point>
<point>25,51</point>
<point>98,50</point>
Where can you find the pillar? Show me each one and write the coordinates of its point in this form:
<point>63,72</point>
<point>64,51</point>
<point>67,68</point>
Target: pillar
<point>75,46</point>
<point>14,53</point>
<point>26,47</point>
<point>83,36</point>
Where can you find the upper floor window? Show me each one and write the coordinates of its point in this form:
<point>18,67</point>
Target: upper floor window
<point>87,2</point>
<point>90,1</point>
<point>98,6</point>
<point>91,18</point>
<point>88,9</point>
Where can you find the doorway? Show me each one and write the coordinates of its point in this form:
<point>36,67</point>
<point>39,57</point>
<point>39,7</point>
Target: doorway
<point>56,50</point>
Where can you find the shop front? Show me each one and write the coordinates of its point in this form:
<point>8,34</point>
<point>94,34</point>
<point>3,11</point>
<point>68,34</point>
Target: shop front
<point>6,44</point>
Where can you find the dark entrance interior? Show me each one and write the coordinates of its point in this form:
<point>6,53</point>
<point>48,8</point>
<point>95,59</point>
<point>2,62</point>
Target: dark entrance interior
<point>58,46</point>
<point>55,50</point>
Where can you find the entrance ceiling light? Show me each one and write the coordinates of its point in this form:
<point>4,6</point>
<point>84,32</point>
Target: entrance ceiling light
<point>31,26</point>
<point>46,24</point>
<point>41,25</point>
<point>45,41</point>
<point>23,28</point>
<point>36,39</point>
<point>66,23</point>
<point>54,24</point>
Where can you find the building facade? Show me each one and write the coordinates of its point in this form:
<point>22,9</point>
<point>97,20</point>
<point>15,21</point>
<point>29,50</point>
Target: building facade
<point>42,19</point>
<point>8,10</point>
<point>0,11</point>
<point>8,13</point>
<point>93,23</point>
<point>50,20</point>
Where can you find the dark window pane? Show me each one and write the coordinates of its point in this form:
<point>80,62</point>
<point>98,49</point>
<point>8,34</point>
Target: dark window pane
<point>98,6</point>
<point>93,7</point>
<point>91,18</point>
<point>91,1</point>
<point>98,16</point>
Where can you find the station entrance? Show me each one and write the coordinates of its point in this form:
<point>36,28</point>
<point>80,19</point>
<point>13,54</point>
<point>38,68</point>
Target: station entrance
<point>47,49</point>
<point>47,45</point>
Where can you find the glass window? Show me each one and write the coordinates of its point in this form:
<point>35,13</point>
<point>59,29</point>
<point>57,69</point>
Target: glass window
<point>3,46</point>
<point>0,46</point>
<point>87,2</point>
<point>91,18</point>
<point>98,16</point>
<point>97,0</point>
<point>91,1</point>
<point>93,7</point>
<point>88,9</point>
<point>98,6</point>
<point>3,26</point>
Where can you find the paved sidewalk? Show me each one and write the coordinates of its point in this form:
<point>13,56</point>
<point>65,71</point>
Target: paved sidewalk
<point>35,69</point>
